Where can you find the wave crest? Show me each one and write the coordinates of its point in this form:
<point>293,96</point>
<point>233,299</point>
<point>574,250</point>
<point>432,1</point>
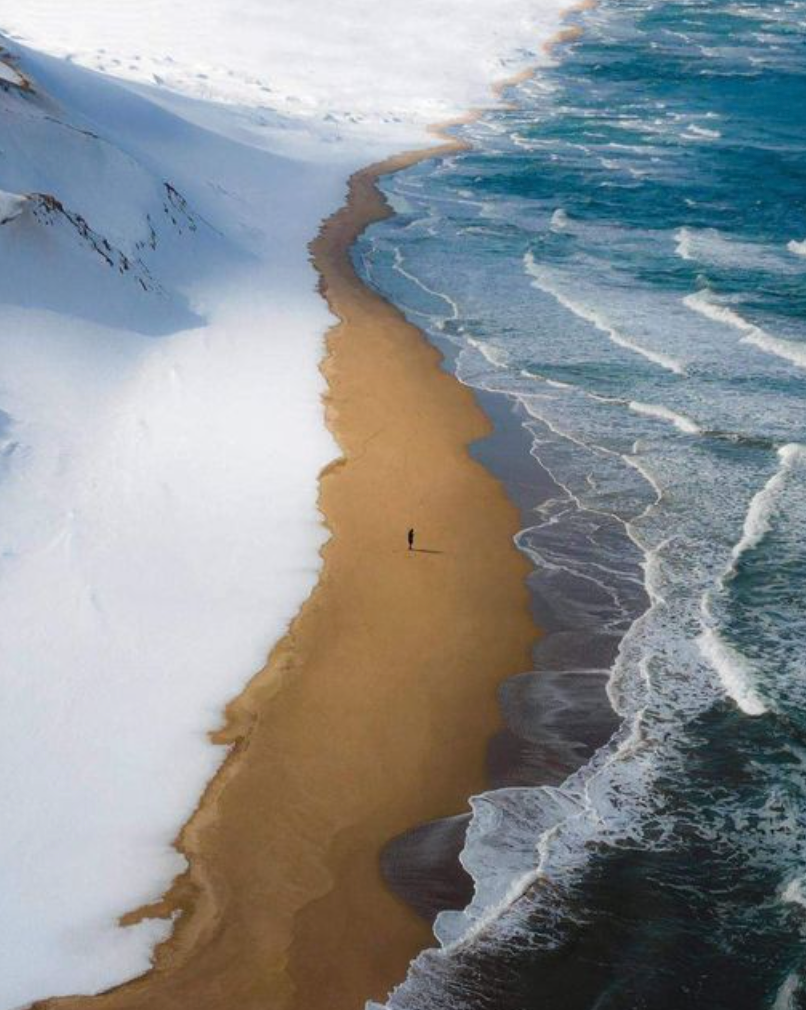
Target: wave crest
<point>704,303</point>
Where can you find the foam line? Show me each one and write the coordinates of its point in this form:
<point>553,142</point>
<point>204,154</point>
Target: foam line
<point>703,303</point>
<point>680,421</point>
<point>734,671</point>
<point>591,316</point>
<point>760,514</point>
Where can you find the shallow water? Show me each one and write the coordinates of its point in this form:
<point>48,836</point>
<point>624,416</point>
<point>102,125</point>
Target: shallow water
<point>620,255</point>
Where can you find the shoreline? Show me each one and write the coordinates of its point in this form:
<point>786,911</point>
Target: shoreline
<point>266,928</point>
<point>283,901</point>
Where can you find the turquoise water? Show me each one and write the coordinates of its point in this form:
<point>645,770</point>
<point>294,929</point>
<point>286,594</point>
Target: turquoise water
<point>622,257</point>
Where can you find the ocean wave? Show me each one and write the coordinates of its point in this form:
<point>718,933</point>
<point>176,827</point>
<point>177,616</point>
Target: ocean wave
<point>684,244</point>
<point>603,798</point>
<point>709,245</point>
<point>794,892</point>
<point>500,853</point>
<point>521,837</point>
<point>400,268</point>
<point>734,671</point>
<point>700,133</point>
<point>703,303</point>
<point>688,677</point>
<point>542,281</point>
<point>760,514</point>
<point>788,996</point>
<point>798,248</point>
<point>496,356</point>
<point>680,421</point>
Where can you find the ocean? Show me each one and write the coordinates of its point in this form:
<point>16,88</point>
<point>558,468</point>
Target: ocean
<point>617,265</point>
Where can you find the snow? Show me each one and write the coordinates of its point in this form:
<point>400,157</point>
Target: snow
<point>10,75</point>
<point>161,424</point>
<point>11,206</point>
<point>351,64</point>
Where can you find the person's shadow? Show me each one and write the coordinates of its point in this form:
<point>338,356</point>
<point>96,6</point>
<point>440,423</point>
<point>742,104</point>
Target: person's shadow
<point>424,550</point>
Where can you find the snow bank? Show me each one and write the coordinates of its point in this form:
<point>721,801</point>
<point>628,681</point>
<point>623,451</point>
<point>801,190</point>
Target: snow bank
<point>345,66</point>
<point>161,426</point>
<point>160,443</point>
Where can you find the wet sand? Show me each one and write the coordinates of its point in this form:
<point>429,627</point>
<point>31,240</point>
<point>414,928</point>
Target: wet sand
<point>374,712</point>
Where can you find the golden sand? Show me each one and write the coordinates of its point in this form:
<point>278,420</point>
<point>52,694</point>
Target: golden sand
<point>373,714</point>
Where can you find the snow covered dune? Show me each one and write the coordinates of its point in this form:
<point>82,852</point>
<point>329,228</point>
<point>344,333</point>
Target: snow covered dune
<point>161,427</point>
<point>414,61</point>
<point>160,443</point>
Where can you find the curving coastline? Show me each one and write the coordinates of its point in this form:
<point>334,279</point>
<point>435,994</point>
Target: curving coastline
<point>374,712</point>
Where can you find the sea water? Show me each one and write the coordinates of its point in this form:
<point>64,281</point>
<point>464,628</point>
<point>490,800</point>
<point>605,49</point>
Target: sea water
<point>621,255</point>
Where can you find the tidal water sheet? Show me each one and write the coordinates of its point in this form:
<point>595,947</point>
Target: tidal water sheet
<point>619,258</point>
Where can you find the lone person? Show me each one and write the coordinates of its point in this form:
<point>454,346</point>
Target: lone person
<point>411,540</point>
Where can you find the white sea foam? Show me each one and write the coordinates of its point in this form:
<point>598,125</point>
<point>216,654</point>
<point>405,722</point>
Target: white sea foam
<point>683,238</point>
<point>735,672</point>
<point>401,269</point>
<point>795,892</point>
<point>709,245</point>
<point>500,853</point>
<point>592,316</point>
<point>788,996</point>
<point>798,248</point>
<point>680,421</point>
<point>682,537</point>
<point>702,132</point>
<point>639,464</point>
<point>761,512</point>
<point>496,356</point>
<point>559,220</point>
<point>705,304</point>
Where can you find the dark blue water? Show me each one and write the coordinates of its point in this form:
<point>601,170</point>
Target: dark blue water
<point>622,256</point>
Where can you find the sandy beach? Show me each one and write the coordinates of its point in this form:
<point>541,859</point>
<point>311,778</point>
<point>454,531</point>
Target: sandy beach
<point>289,582</point>
<point>373,713</point>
